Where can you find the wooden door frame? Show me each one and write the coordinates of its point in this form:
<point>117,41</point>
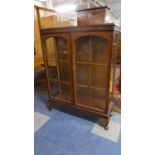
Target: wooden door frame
<point>104,35</point>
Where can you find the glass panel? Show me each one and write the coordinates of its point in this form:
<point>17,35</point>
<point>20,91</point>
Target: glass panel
<point>99,51</point>
<point>98,76</point>
<point>91,56</point>
<point>82,49</point>
<point>62,52</point>
<point>54,87</point>
<point>65,92</point>
<point>83,95</point>
<point>60,76</point>
<point>97,98</point>
<point>62,91</point>
<point>64,70</point>
<point>52,72</point>
<point>82,72</point>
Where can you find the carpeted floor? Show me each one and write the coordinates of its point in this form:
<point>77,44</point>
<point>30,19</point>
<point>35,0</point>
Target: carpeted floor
<point>65,132</point>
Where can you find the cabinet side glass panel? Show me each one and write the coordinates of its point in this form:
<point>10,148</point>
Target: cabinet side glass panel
<point>62,51</point>
<point>65,72</point>
<point>61,80</point>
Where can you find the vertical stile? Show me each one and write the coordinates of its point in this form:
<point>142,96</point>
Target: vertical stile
<point>46,65</point>
<point>113,66</point>
<point>89,77</point>
<point>43,47</point>
<point>72,59</point>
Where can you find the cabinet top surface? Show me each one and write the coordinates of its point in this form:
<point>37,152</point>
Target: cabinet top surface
<point>101,27</point>
<point>92,9</point>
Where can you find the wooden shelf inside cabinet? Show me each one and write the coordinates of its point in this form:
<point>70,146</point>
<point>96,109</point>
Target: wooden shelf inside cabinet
<point>65,97</point>
<point>61,60</point>
<point>63,89</point>
<point>90,63</point>
<point>63,82</point>
<point>86,86</point>
<point>85,67</point>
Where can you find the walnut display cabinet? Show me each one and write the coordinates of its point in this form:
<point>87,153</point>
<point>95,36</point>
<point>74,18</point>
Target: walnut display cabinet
<point>85,59</point>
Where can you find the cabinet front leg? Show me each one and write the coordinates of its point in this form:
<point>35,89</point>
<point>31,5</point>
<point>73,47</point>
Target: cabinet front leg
<point>50,105</point>
<point>105,122</point>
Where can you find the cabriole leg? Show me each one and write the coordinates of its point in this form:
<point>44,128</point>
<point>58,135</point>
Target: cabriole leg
<point>50,105</point>
<point>105,122</point>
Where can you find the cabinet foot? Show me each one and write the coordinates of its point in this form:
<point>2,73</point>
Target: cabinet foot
<point>106,127</point>
<point>105,122</point>
<point>50,105</point>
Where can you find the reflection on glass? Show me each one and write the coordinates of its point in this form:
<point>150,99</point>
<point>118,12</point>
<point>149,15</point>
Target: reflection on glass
<point>92,46</point>
<point>65,91</point>
<point>61,48</point>
<point>99,51</point>
<point>64,70</point>
<point>82,49</point>
<point>91,58</point>
<point>82,95</point>
<point>82,72</point>
<point>98,76</point>
<point>98,93</point>
<point>97,98</point>
<point>60,80</point>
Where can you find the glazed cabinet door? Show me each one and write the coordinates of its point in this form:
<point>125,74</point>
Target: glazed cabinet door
<point>60,84</point>
<point>91,56</point>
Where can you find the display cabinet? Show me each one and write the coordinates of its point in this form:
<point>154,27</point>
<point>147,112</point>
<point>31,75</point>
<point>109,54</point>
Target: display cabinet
<point>85,61</point>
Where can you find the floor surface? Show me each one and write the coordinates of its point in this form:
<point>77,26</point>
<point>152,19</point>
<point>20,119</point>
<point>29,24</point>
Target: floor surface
<point>65,132</point>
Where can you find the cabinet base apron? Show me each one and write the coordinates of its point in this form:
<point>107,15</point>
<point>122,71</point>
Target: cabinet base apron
<point>105,116</point>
